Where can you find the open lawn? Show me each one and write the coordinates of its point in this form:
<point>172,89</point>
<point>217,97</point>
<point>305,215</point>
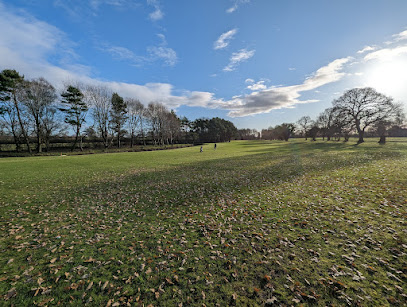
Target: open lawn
<point>249,223</point>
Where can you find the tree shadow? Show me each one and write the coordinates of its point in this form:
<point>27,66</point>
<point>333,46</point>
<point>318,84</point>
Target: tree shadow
<point>211,180</point>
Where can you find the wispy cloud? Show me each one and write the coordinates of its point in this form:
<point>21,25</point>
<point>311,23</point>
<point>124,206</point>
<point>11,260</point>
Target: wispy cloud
<point>239,57</point>
<point>400,36</point>
<point>80,9</point>
<point>366,49</point>
<point>167,54</point>
<point>124,54</point>
<point>236,5</point>
<point>224,40</point>
<point>158,13</point>
<point>159,52</point>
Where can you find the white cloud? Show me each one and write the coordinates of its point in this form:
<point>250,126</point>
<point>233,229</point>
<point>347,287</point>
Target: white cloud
<point>167,54</point>
<point>285,96</point>
<point>224,40</point>
<point>367,48</point>
<point>121,53</point>
<point>400,36</point>
<point>257,86</point>
<point>158,13</point>
<point>154,53</point>
<point>27,44</point>
<point>386,54</point>
<point>236,5</point>
<point>238,57</point>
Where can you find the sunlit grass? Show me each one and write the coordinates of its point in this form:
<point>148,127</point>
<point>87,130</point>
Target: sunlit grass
<point>248,223</point>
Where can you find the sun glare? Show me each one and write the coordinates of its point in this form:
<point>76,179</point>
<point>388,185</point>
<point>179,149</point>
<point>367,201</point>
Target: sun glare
<point>389,77</point>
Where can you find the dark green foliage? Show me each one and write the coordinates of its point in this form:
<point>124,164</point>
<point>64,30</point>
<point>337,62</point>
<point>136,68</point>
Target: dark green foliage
<point>9,82</point>
<point>119,115</point>
<point>213,130</point>
<point>75,110</point>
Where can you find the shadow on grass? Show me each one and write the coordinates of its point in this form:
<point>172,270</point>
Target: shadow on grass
<point>211,180</point>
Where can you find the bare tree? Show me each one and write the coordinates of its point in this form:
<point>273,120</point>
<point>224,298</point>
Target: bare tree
<point>326,123</point>
<point>364,107</point>
<point>154,114</point>
<point>383,126</point>
<point>38,97</point>
<point>135,110</point>
<point>172,126</point>
<point>9,121</point>
<point>305,123</point>
<point>99,100</point>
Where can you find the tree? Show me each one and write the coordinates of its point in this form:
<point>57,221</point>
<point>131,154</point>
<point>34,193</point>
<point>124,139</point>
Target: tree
<point>11,84</point>
<point>136,116</point>
<point>364,107</point>
<point>305,123</point>
<point>383,126</point>
<point>326,123</point>
<point>313,132</point>
<point>156,114</point>
<point>283,131</point>
<point>118,115</point>
<point>172,127</point>
<point>39,96</point>
<point>75,110</point>
<point>99,99</point>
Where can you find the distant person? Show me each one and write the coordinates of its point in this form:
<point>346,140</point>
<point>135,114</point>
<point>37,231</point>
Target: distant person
<point>214,146</point>
<point>201,149</point>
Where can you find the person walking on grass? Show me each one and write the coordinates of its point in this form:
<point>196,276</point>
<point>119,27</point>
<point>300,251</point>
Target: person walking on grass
<point>201,149</point>
<point>214,146</point>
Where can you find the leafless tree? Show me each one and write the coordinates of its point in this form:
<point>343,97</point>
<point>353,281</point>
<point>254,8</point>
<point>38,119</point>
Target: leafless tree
<point>365,107</point>
<point>99,100</point>
<point>38,97</point>
<point>136,112</point>
<point>305,123</point>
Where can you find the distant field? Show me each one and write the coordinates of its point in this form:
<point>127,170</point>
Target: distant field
<point>250,223</point>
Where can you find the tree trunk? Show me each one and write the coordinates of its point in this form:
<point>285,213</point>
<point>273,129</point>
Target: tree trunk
<point>382,139</point>
<point>76,139</point>
<point>27,141</point>
<point>118,136</point>
<point>361,133</point>
<point>81,143</point>
<point>38,132</point>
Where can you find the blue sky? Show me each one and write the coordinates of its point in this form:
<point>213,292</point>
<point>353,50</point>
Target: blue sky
<point>255,62</point>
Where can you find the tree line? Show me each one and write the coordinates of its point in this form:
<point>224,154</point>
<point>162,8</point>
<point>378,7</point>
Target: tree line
<point>357,112</point>
<point>32,114</point>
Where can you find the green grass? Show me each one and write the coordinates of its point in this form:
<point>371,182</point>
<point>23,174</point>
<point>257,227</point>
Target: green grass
<point>248,223</point>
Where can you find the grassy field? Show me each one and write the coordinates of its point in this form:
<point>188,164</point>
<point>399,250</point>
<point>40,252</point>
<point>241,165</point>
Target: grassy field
<point>250,223</point>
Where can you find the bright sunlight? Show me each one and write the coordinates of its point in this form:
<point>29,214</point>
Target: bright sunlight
<point>388,77</point>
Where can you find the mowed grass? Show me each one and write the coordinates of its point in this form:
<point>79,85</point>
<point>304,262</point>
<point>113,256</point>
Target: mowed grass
<point>250,223</point>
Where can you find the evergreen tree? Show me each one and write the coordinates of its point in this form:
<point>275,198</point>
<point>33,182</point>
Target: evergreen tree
<point>75,111</point>
<point>118,116</point>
